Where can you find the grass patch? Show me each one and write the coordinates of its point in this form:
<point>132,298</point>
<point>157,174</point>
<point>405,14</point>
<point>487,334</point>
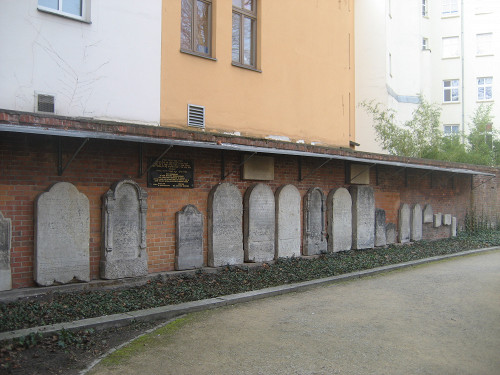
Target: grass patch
<point>231,279</point>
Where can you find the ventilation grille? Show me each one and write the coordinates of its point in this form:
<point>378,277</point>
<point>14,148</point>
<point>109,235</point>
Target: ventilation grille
<point>45,103</point>
<point>196,116</point>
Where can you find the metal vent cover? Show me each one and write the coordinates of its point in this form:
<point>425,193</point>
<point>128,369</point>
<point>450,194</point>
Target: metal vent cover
<point>45,103</point>
<point>196,116</point>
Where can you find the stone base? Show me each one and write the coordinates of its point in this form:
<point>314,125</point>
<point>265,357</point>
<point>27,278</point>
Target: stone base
<point>315,248</point>
<point>188,262</point>
<point>47,274</point>
<point>122,268</point>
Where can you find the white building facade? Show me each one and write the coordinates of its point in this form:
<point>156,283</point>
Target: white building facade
<point>78,58</point>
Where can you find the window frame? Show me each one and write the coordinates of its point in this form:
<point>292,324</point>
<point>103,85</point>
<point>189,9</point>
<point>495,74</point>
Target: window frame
<point>484,86</point>
<point>253,15</point>
<point>488,46</point>
<point>193,50</point>
<point>425,44</point>
<point>425,8</point>
<point>456,45</point>
<point>450,89</point>
<point>450,8</point>
<point>84,8</point>
<point>451,127</point>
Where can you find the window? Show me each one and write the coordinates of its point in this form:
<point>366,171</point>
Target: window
<point>77,9</point>
<point>451,47</point>
<point>425,44</point>
<point>485,88</point>
<point>484,44</point>
<point>450,91</point>
<point>451,129</point>
<point>196,25</point>
<point>424,8</point>
<point>449,8</point>
<point>244,32</point>
<point>390,64</point>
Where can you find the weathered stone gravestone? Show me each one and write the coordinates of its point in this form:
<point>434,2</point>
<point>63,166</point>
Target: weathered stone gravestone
<point>363,217</point>
<point>447,219</point>
<point>339,213</point>
<point>225,229</point>
<point>428,215</point>
<point>453,226</point>
<point>259,223</point>
<point>437,220</point>
<point>5,244</point>
<point>380,231</point>
<point>62,235</point>
<point>287,221</point>
<point>404,223</point>
<point>124,231</point>
<point>391,233</point>
<point>416,223</point>
<point>314,222</point>
<point>188,238</point>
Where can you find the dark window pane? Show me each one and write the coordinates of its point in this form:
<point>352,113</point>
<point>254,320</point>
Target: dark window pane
<point>236,37</point>
<point>248,30</point>
<point>186,24</point>
<point>238,3</point>
<point>447,95</point>
<point>202,36</point>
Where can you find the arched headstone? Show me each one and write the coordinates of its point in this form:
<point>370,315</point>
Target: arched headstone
<point>380,228</point>
<point>339,209</point>
<point>5,244</point>
<point>363,217</point>
<point>287,221</point>
<point>314,222</point>
<point>416,223</point>
<point>188,238</point>
<point>428,215</point>
<point>404,223</point>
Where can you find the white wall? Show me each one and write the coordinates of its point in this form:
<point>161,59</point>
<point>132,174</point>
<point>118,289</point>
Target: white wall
<point>107,69</point>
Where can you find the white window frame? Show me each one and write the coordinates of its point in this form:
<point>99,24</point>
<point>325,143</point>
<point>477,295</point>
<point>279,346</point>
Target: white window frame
<point>449,8</point>
<point>451,129</point>
<point>450,47</point>
<point>484,85</point>
<point>451,88</point>
<point>425,8</point>
<point>425,44</point>
<point>84,17</point>
<point>484,44</point>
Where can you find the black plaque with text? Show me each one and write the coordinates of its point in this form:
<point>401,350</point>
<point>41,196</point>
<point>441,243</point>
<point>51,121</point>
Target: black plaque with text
<point>171,173</point>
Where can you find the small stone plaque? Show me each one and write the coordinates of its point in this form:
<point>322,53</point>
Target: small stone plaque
<point>363,217</point>
<point>416,223</point>
<point>428,215</point>
<point>404,223</point>
<point>447,219</point>
<point>391,233</point>
<point>5,245</point>
<point>258,168</point>
<point>438,220</point>
<point>380,231</point>
<point>189,238</point>
<point>171,173</point>
<point>339,213</point>
<point>287,221</point>
<point>314,222</point>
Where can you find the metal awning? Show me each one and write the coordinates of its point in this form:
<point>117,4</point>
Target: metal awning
<point>223,146</point>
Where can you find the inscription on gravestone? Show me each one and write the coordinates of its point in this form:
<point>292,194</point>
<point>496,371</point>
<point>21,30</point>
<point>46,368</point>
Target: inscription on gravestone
<point>314,222</point>
<point>380,231</point>
<point>339,213</point>
<point>124,231</point>
<point>390,233</point>
<point>416,223</point>
<point>453,229</point>
<point>404,223</point>
<point>171,173</point>
<point>438,220</point>
<point>259,220</point>
<point>363,217</point>
<point>287,221</point>
<point>189,238</point>
<point>225,231</point>
<point>447,219</point>
<point>62,235</point>
<point>5,245</point>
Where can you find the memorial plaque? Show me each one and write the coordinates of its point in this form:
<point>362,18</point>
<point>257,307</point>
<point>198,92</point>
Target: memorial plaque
<point>438,220</point>
<point>428,216</point>
<point>287,221</point>
<point>259,222</point>
<point>416,223</point>
<point>391,233</point>
<point>171,173</point>
<point>380,231</point>
<point>404,223</point>
<point>339,213</point>
<point>363,217</point>
<point>314,222</point>
<point>62,236</point>
<point>453,229</point>
<point>447,219</point>
<point>189,238</point>
<point>225,230</point>
<point>124,231</point>
<point>5,245</point>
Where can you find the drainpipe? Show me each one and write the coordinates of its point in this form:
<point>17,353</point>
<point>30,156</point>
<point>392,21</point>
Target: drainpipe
<point>462,14</point>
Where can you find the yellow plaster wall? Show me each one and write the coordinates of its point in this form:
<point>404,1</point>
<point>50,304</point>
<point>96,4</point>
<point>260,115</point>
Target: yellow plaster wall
<point>304,92</point>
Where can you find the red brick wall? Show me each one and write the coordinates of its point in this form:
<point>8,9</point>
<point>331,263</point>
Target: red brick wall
<point>28,165</point>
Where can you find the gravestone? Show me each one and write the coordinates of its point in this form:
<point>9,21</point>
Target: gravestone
<point>62,235</point>
<point>5,244</point>
<point>339,213</point>
<point>447,219</point>
<point>314,222</point>
<point>428,215</point>
<point>188,238</point>
<point>416,223</point>
<point>225,229</point>
<point>380,231</point>
<point>287,221</point>
<point>453,226</point>
<point>437,220</point>
<point>404,223</point>
<point>391,233</point>
<point>124,231</point>
<point>259,224</point>
<point>363,217</point>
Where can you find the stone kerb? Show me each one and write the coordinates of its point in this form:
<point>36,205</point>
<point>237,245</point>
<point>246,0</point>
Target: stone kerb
<point>363,217</point>
<point>225,225</point>
<point>287,236</point>
<point>380,228</point>
<point>416,223</point>
<point>188,238</point>
<point>314,238</point>
<point>62,236</point>
<point>339,213</point>
<point>124,231</point>
<point>5,246</point>
<point>404,223</point>
<point>259,224</point>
